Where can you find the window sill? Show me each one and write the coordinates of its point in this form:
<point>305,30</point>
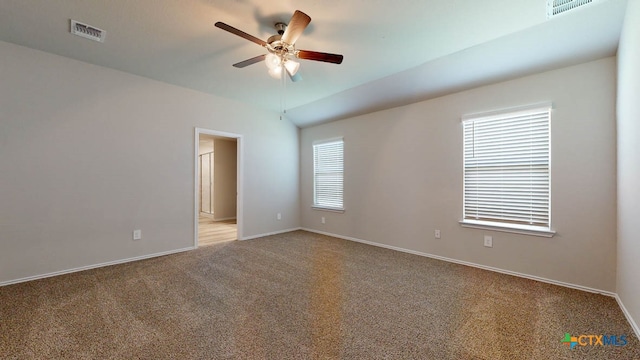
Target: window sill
<point>322,208</point>
<point>515,229</point>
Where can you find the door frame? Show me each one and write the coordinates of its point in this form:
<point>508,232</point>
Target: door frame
<point>239,179</point>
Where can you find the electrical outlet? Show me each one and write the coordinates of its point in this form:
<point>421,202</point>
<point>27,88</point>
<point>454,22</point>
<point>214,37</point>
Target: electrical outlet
<point>137,234</point>
<point>322,220</point>
<point>488,241</point>
<point>279,216</point>
<point>437,234</point>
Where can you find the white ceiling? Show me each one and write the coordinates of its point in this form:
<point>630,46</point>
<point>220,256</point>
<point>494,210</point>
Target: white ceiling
<point>395,52</point>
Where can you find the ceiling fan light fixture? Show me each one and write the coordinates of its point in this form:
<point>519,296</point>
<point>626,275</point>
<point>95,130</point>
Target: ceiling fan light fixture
<point>272,61</point>
<point>291,66</point>
<point>276,72</point>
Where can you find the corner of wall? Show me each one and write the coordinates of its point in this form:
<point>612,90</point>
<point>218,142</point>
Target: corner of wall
<point>628,171</point>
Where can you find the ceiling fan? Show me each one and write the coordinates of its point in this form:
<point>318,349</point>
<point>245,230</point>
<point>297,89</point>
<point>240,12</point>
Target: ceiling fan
<point>282,49</point>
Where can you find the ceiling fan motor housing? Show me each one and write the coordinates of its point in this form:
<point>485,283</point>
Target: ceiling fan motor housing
<point>273,40</point>
<point>276,46</point>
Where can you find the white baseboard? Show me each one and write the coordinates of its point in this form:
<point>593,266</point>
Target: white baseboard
<point>484,267</point>
<point>122,261</point>
<point>270,233</point>
<point>89,267</point>
<point>626,313</point>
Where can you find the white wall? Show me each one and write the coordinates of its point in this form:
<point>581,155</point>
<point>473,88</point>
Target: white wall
<point>224,179</point>
<point>403,177</point>
<point>629,163</point>
<point>88,154</point>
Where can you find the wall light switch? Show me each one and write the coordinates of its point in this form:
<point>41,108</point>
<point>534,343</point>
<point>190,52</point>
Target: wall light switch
<point>488,241</point>
<point>437,234</point>
<point>137,234</point>
<point>279,216</point>
<point>322,220</point>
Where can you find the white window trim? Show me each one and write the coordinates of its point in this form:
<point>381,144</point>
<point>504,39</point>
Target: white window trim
<point>327,208</point>
<point>506,227</point>
<point>315,206</point>
<point>509,228</point>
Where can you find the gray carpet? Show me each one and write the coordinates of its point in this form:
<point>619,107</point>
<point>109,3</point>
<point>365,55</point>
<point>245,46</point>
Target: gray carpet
<point>302,296</point>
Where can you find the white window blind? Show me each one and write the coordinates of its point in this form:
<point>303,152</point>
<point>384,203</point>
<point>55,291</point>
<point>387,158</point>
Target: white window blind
<point>328,174</point>
<point>507,169</point>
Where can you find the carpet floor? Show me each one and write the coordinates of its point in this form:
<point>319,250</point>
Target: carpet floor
<point>301,295</point>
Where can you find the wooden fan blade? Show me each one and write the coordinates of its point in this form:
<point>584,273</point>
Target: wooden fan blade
<point>319,56</point>
<point>297,24</point>
<point>240,33</point>
<point>251,61</point>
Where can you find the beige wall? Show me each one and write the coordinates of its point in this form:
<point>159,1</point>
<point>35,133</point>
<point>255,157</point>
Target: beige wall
<point>88,154</point>
<point>206,144</point>
<point>224,179</point>
<point>629,163</point>
<point>403,177</point>
<point>205,168</point>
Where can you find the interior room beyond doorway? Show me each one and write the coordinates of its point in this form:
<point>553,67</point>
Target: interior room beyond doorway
<point>217,169</point>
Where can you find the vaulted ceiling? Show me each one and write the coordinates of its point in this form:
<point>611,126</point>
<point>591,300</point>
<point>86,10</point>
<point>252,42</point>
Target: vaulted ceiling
<point>395,52</point>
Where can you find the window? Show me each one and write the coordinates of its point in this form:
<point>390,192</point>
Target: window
<point>328,174</point>
<point>507,171</point>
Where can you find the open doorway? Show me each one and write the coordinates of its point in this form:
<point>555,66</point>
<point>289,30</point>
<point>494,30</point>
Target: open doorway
<point>217,190</point>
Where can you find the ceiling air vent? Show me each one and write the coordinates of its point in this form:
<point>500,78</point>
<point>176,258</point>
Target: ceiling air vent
<point>87,31</point>
<point>557,7</point>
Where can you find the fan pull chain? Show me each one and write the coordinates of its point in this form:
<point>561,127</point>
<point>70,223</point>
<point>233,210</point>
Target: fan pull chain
<point>284,91</point>
<point>283,102</point>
